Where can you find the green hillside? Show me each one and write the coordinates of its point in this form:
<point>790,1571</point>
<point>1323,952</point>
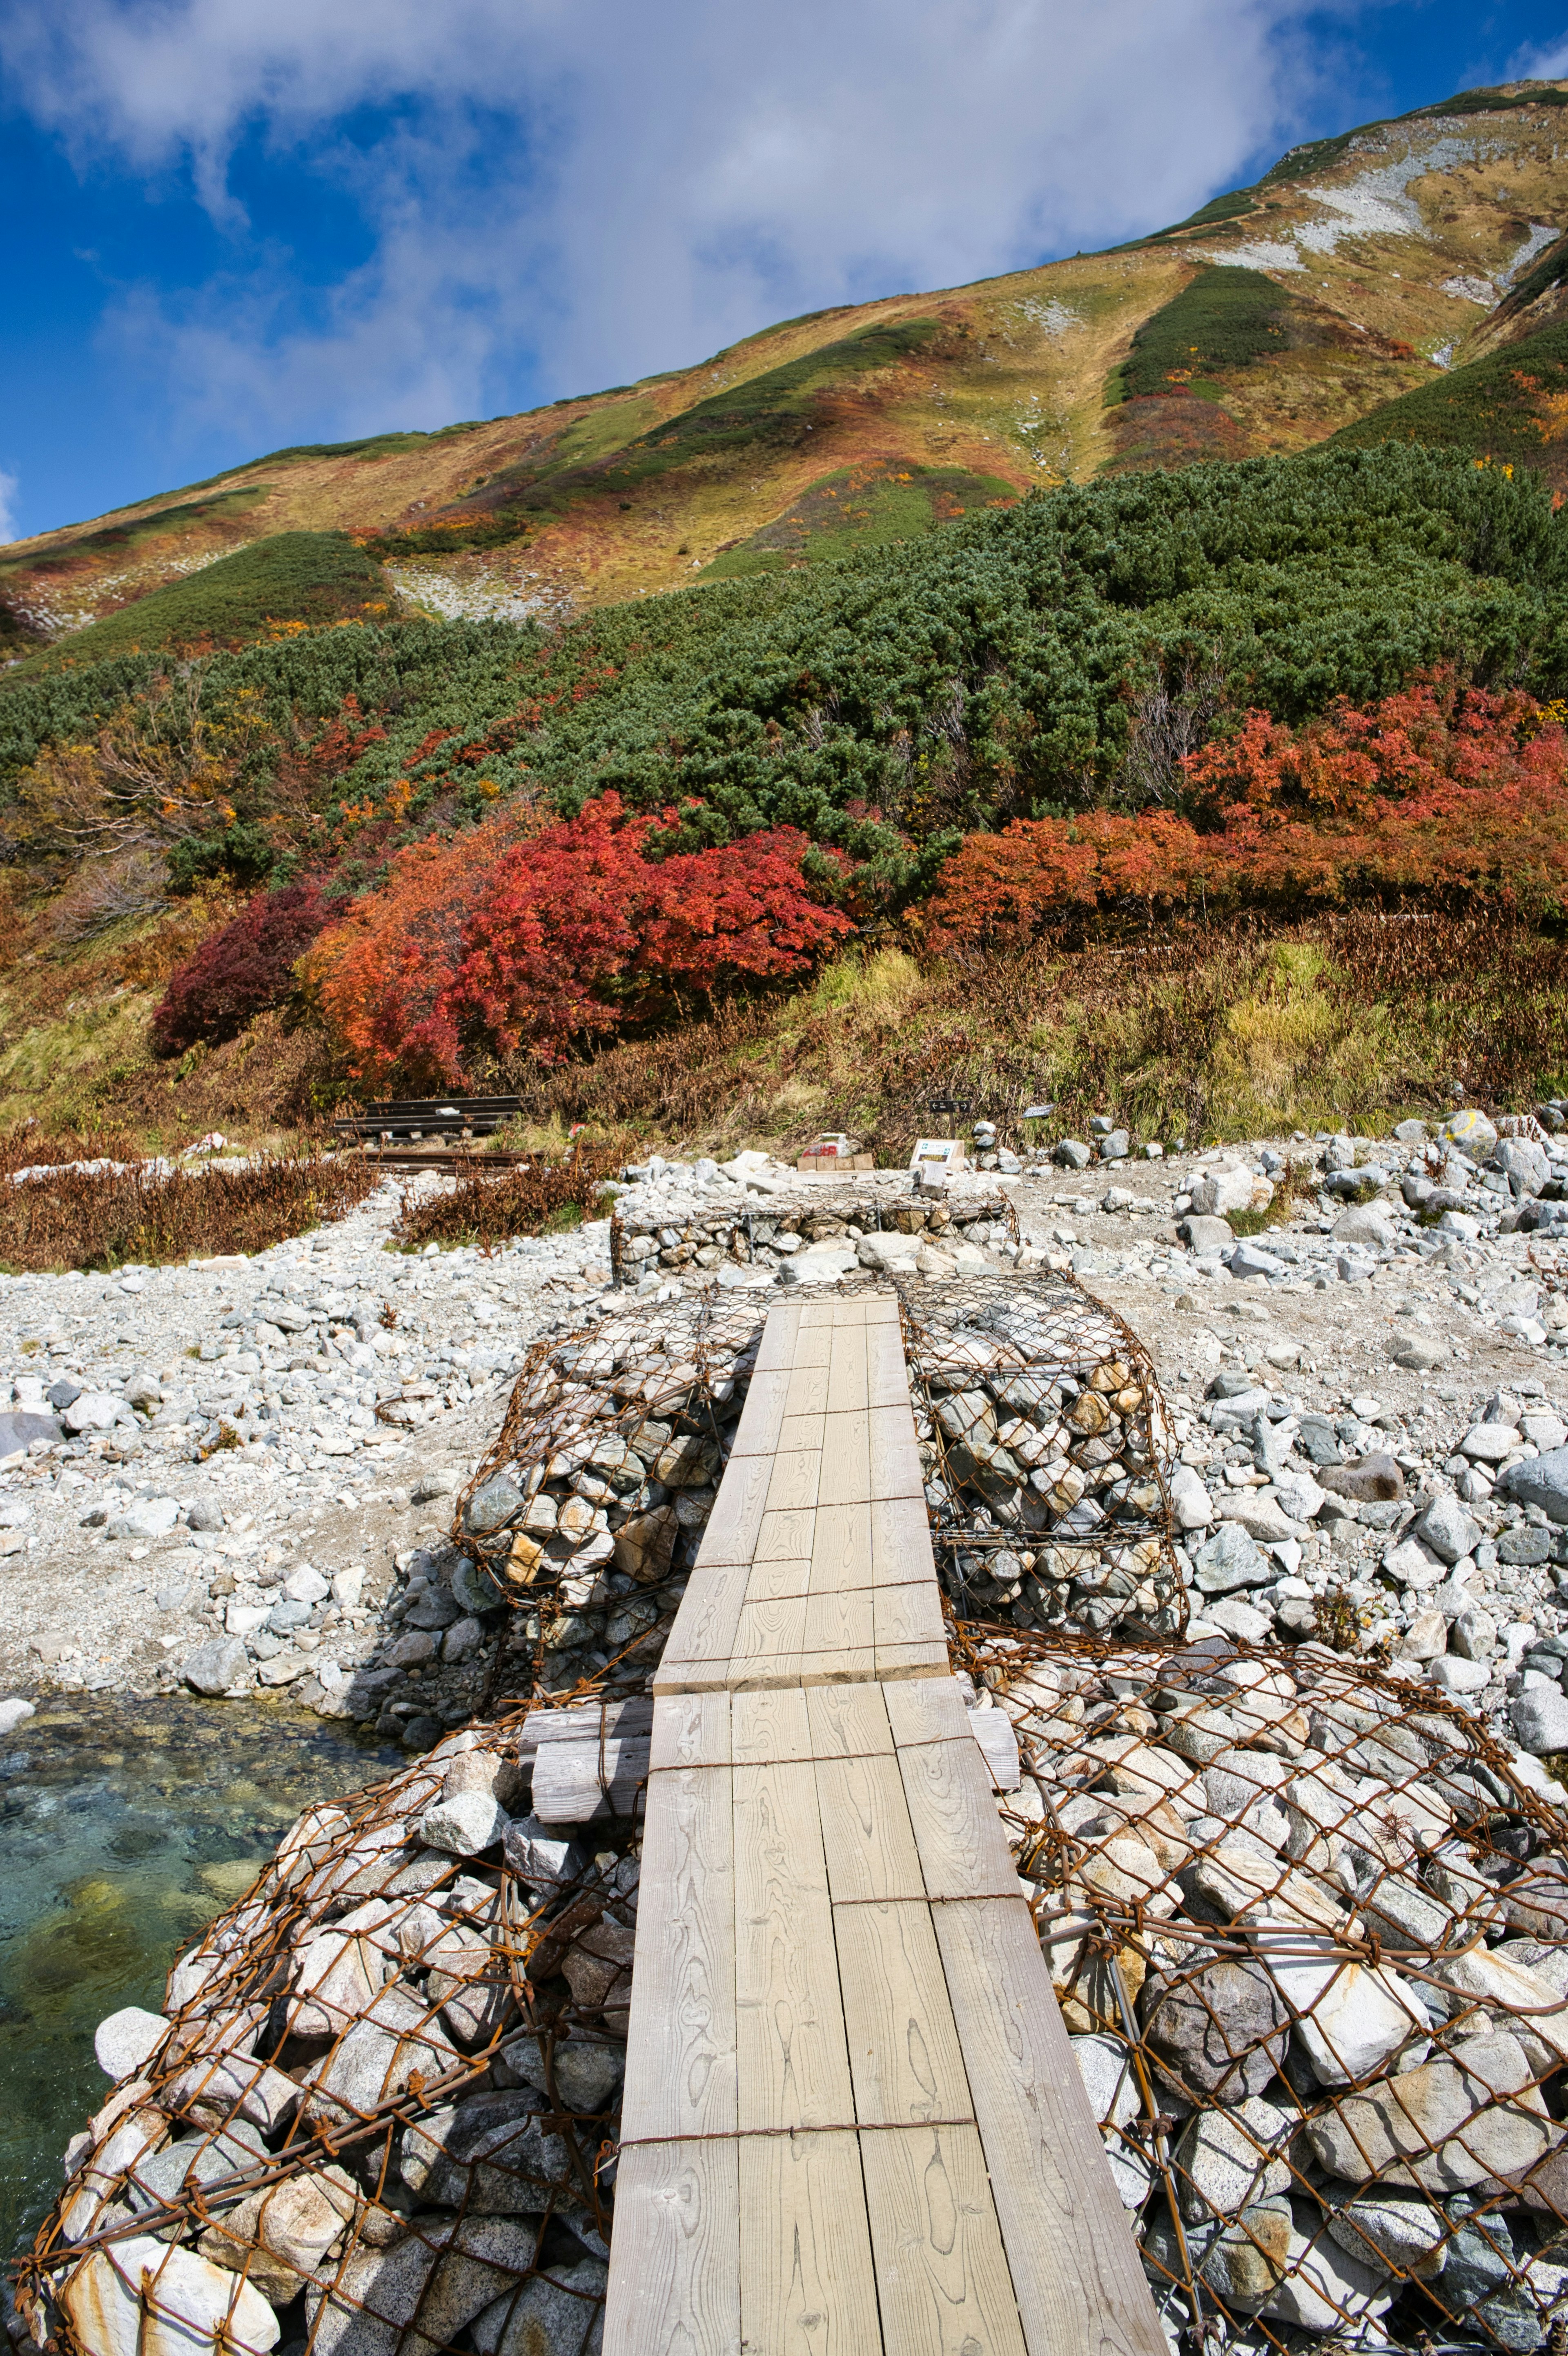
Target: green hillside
<point>1510,408</point>
<point>306,577</point>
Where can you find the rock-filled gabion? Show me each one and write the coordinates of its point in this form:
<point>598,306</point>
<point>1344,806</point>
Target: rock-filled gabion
<point>654,1237</point>
<point>1045,1439</point>
<point>1308,1928</point>
<point>581,1524</point>
<point>381,2109</point>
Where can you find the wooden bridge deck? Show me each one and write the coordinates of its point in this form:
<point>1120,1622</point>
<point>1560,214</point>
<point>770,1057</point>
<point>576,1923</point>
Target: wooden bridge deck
<point>853,2125</point>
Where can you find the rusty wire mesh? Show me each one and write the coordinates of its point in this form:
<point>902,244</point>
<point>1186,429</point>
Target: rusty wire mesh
<point>1307,1926</point>
<point>1043,1428</point>
<point>383,2114</point>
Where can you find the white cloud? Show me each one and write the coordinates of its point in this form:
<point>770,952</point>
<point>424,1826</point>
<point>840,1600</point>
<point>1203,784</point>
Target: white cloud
<point>9,486</point>
<point>583,191</point>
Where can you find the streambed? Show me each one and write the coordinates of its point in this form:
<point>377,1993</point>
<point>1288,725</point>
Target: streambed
<point>124,1826</point>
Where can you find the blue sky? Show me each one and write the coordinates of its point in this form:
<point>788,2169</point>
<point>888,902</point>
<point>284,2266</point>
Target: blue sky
<point>236,228</point>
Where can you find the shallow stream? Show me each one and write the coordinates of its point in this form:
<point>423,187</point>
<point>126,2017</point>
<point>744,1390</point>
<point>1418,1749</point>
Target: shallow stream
<point>124,1826</point>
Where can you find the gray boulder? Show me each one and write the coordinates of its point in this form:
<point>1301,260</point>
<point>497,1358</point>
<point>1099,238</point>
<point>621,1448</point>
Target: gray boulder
<point>1447,1529</point>
<point>1205,1235</point>
<point>1219,2031</point>
<point>1540,1481</point>
<point>558,2311</point>
<point>1072,1154</point>
<point>1231,1560</point>
<point>217,1666</point>
<point>1368,1224</point>
<point>1523,1164</point>
<point>1541,1720</point>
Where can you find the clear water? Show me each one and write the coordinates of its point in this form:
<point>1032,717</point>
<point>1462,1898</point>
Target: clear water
<point>124,1826</point>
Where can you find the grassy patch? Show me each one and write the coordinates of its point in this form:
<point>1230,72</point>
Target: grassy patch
<point>1511,407</point>
<point>81,1218</point>
<point>309,577</point>
<point>1226,318</point>
<point>870,506</point>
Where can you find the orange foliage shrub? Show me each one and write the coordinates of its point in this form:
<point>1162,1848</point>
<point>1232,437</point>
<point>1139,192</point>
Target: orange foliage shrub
<point>1438,792</point>
<point>489,940</point>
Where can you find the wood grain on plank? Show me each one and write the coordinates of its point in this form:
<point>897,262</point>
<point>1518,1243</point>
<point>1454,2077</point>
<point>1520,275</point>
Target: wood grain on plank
<point>710,1609</point>
<point>792,2066</point>
<point>867,1833</point>
<point>675,2269</point>
<point>893,1454</point>
<point>904,2053</point>
<point>772,1725</point>
<point>787,1578</point>
<point>738,1512</point>
<point>908,1615</point>
<point>807,2284</point>
<point>846,1370</point>
<point>775,1350</point>
<point>757,1433</point>
<point>690,1730</point>
<point>838,1618</point>
<point>680,2063</point>
<point>848,1721</point>
<point>802,1433</point>
<point>929,1711</point>
<point>895,1662</point>
<point>840,1548</point>
<point>846,1665</point>
<point>900,1541</point>
<point>793,1483</point>
<point>941,2272</point>
<point>1075,2267</point>
<point>782,1534</point>
<point>846,1462</point>
<point>886,1375</point>
<point>772,1624</point>
<point>808,1391</point>
<point>963,1850</point>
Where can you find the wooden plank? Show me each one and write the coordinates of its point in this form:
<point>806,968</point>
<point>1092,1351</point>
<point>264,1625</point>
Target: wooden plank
<point>577,1781</point>
<point>895,1455</point>
<point>847,1372</point>
<point>675,2267</point>
<point>908,1615</point>
<point>807,2284</point>
<point>867,1833</point>
<point>941,2272</point>
<point>632,1717</point>
<point>993,1730</point>
<point>964,1851</point>
<point>886,1375</point>
<point>781,1536</point>
<point>792,2065</point>
<point>904,2055</point>
<point>770,1625</point>
<point>1076,2270</point>
<point>680,2063</point>
<point>690,1731</point>
<point>757,1433</point>
<point>793,1483</point>
<point>896,1662</point>
<point>839,1621</point>
<point>801,1433</point>
<point>710,1611</point>
<point>771,1725</point>
<point>808,1391</point>
<point>765,1578</point>
<point>848,1721</point>
<point>737,1510</point>
<point>848,1665</point>
<point>931,1711</point>
<point>846,1462</point>
<point>776,1351</point>
<point>840,1548</point>
<point>900,1540</point>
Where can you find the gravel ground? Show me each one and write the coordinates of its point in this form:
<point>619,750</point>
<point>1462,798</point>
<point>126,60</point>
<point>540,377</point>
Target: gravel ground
<point>288,1432</point>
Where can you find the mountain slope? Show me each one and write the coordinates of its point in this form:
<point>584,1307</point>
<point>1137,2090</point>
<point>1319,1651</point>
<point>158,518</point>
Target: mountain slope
<point>1353,275</point>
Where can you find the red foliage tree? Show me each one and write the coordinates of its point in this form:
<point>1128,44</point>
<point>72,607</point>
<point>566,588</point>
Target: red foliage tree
<point>1438,792</point>
<point>240,971</point>
<point>489,940</point>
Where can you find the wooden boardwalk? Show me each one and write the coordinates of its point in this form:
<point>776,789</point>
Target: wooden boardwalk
<point>853,2125</point>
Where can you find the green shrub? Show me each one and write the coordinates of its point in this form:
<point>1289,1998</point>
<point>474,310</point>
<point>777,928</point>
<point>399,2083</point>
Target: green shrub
<point>1499,408</point>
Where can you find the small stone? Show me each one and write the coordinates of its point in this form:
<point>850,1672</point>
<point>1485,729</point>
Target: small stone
<point>1540,1481</point>
<point>1455,1675</point>
<point>1071,1154</point>
<point>554,2313</point>
<point>1427,1638</point>
<point>218,1666</point>
<point>1244,1621</point>
<point>1190,1500</point>
<point>431,1485</point>
<point>204,1513</point>
<point>1419,1357</point>
<point>150,1517</point>
<point>1541,1720</point>
<point>539,1856</point>
<point>1229,1559</point>
<point>1228,2160</point>
<point>123,2040</point>
<point>1474,1634</point>
<point>463,1825</point>
<point>1371,1479</point>
<point>1488,1443</point>
<point>1447,1529</point>
<point>1366,1223</point>
<point>1204,1236</point>
<point>1327,2289</point>
<point>14,1712</point>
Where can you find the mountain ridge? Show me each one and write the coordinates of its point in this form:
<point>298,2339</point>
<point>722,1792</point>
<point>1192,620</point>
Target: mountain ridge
<point>1372,264</point>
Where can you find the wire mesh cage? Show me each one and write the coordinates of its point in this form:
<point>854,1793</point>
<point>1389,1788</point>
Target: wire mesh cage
<point>1307,1927</point>
<point>1044,1434</point>
<point>382,2115</point>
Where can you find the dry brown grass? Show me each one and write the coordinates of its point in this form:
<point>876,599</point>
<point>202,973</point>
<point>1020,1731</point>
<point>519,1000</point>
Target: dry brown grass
<point>79,1218</point>
<point>522,1201</point>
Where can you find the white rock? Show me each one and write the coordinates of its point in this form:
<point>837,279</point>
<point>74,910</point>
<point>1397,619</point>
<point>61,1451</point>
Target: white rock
<point>463,1825</point>
<point>1327,2289</point>
<point>1455,1675</point>
<point>1488,1443</point>
<point>123,2040</point>
<point>1228,2160</point>
<point>1193,1506</point>
<point>1358,2018</point>
<point>347,1586</point>
<point>150,1517</point>
<point>1240,1619</point>
<point>146,2298</point>
<point>306,1586</point>
<point>16,1712</point>
<point>1228,1187</point>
